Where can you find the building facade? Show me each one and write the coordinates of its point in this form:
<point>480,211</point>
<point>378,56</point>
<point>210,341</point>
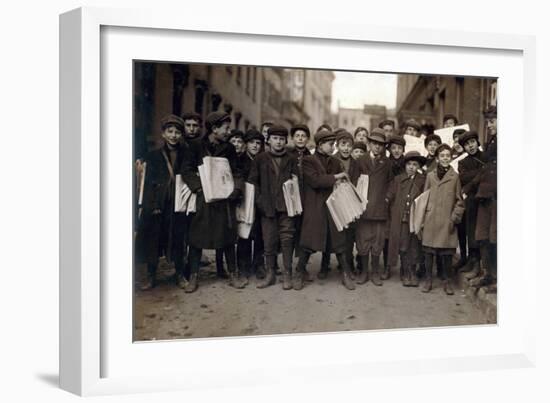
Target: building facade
<point>369,117</point>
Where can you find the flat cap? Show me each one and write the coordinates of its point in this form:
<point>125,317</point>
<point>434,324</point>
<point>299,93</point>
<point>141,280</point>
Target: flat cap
<point>236,133</point>
<point>448,116</point>
<point>472,134</point>
<point>412,123</point>
<point>377,135</point>
<point>344,135</point>
<point>432,137</point>
<point>360,145</point>
<point>396,139</point>
<point>191,115</point>
<point>253,134</point>
<point>458,132</point>
<point>386,122</point>
<point>325,126</point>
<point>295,128</point>
<point>173,120</point>
<point>415,156</point>
<point>490,112</point>
<point>216,119</point>
<point>277,130</point>
<point>323,135</point>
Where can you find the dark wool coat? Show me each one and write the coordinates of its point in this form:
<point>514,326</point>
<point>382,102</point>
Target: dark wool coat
<point>163,233</point>
<point>353,171</point>
<point>397,165</point>
<point>299,156</point>
<point>486,225</point>
<point>468,170</point>
<point>214,224</point>
<point>317,224</point>
<point>443,211</point>
<point>401,191</point>
<point>380,176</point>
<point>269,186</point>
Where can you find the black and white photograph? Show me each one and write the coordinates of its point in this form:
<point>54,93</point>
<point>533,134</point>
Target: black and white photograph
<point>271,200</point>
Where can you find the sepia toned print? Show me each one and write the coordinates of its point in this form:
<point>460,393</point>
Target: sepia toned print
<point>285,200</point>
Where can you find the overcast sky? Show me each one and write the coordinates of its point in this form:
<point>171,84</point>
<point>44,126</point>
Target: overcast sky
<point>353,90</point>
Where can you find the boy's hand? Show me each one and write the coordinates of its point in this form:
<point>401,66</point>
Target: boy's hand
<point>341,176</point>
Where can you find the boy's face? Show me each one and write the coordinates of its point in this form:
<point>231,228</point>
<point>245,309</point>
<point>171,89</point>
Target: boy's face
<point>458,148</point>
<point>376,147</point>
<point>388,130</point>
<point>492,126</point>
<point>300,138</point>
<point>326,147</point>
<point>449,123</point>
<point>238,143</point>
<point>412,167</point>
<point>396,151</point>
<point>172,135</point>
<point>411,131</point>
<point>221,133</point>
<point>431,147</point>
<point>191,127</point>
<point>444,158</point>
<point>361,136</point>
<point>344,148</point>
<point>356,153</point>
<point>254,146</point>
<point>471,146</point>
<point>277,143</point>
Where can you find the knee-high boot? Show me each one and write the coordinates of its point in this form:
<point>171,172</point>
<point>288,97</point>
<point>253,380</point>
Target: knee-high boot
<point>346,271</point>
<point>429,261</point>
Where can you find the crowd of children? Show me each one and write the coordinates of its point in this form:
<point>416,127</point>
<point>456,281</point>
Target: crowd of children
<point>460,212</point>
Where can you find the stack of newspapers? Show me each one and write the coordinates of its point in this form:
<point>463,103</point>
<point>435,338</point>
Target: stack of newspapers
<point>216,178</point>
<point>345,205</point>
<point>291,193</point>
<point>185,200</point>
<point>363,189</point>
<point>245,212</point>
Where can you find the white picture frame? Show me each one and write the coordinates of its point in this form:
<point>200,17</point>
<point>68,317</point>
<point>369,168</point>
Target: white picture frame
<point>88,181</point>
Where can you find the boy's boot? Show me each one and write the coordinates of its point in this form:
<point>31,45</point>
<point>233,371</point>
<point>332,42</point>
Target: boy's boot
<point>428,280</point>
<point>235,279</point>
<point>287,266</point>
<point>447,283</point>
<point>325,266</point>
<point>473,266</point>
<point>375,273</point>
<point>413,280</point>
<point>298,279</point>
<point>386,274</point>
<point>484,275</point>
<point>150,279</point>
<point>193,283</point>
<point>269,277</point>
<point>363,276</point>
<point>346,271</point>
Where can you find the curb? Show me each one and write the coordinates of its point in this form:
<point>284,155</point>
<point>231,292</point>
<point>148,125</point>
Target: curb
<point>486,302</point>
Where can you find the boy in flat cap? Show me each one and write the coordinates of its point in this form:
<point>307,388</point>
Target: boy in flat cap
<point>431,142</point>
<point>450,120</point>
<point>412,128</point>
<point>250,252</point>
<point>264,128</point>
<point>358,149</point>
<point>405,187</point>
<point>443,212</point>
<point>458,150</point>
<point>319,233</point>
<point>371,227</point>
<point>214,225</point>
<point>268,173</point>
<point>388,126</point>
<point>468,169</point>
<point>191,125</point>
<point>161,231</point>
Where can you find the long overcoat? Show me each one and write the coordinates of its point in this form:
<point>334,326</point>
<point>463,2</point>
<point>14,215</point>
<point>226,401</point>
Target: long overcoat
<point>401,194</point>
<point>468,170</point>
<point>317,225</point>
<point>380,175</point>
<point>444,210</point>
<point>486,226</point>
<point>160,231</point>
<point>214,224</point>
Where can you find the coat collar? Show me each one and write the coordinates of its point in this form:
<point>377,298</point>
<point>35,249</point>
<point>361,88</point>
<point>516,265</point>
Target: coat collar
<point>449,175</point>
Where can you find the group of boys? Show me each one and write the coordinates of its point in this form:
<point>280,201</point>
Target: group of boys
<point>460,211</point>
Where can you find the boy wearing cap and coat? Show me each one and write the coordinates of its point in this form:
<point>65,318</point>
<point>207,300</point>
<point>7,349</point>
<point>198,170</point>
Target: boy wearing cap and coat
<point>319,234</point>
<point>161,231</point>
<point>268,173</point>
<point>214,225</point>
<point>405,188</point>
<point>371,227</point>
<point>444,211</point>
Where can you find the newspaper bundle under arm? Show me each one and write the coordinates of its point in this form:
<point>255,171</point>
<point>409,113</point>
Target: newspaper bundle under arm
<point>418,212</point>
<point>363,189</point>
<point>216,178</point>
<point>291,193</point>
<point>182,195</point>
<point>245,212</point>
<point>345,205</point>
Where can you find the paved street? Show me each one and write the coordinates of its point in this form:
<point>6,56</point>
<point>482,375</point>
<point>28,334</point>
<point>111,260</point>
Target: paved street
<point>216,309</point>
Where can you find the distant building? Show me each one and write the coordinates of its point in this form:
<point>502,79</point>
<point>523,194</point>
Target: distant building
<point>369,117</point>
<point>317,97</point>
<point>428,98</point>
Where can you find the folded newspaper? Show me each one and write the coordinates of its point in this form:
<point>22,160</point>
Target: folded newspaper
<point>245,212</point>
<point>418,212</point>
<point>345,205</point>
<point>182,195</point>
<point>216,178</point>
<point>291,193</point>
<point>446,133</point>
<point>363,189</point>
